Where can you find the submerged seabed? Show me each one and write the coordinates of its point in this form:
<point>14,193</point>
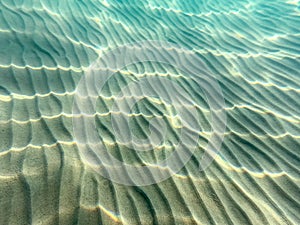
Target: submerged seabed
<point>252,47</point>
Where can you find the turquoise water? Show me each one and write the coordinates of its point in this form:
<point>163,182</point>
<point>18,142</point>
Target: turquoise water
<point>252,48</point>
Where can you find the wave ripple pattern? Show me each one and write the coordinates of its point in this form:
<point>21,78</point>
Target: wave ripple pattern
<point>253,50</point>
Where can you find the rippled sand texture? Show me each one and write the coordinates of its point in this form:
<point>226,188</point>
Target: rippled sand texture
<point>253,48</point>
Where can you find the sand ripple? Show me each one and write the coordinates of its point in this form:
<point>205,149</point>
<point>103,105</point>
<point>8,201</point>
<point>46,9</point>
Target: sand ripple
<point>253,49</point>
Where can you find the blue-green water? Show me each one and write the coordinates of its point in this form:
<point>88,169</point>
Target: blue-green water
<point>252,48</point>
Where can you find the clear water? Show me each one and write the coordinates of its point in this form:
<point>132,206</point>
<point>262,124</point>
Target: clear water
<point>250,48</point>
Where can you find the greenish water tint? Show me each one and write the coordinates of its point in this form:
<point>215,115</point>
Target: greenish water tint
<point>253,50</point>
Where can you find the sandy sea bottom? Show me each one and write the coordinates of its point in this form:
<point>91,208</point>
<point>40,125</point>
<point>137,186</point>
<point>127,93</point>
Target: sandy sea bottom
<point>251,47</point>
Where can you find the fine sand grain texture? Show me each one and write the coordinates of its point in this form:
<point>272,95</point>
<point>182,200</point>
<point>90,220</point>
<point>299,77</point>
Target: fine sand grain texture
<point>252,48</point>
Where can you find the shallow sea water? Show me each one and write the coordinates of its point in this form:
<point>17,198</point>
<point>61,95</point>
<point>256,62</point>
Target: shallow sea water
<point>252,48</point>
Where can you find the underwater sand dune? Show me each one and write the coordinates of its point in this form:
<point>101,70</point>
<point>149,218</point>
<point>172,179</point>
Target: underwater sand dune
<point>252,47</point>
